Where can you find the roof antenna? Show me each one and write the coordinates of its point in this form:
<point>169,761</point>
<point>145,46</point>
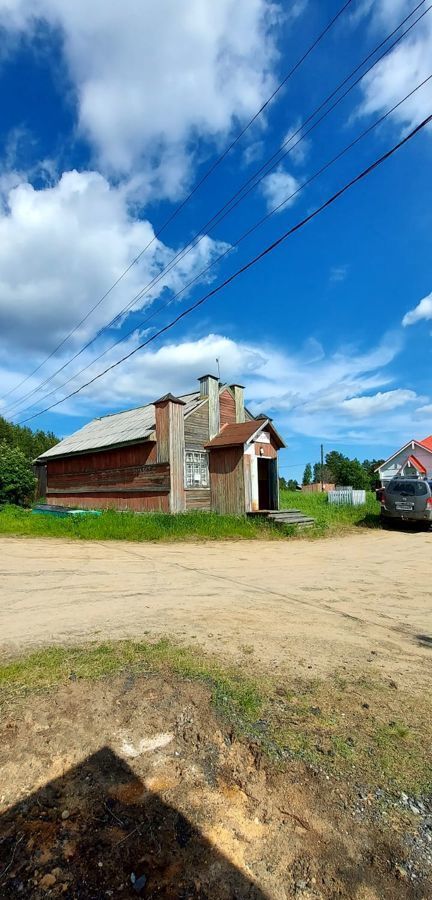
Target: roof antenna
<point>218,369</point>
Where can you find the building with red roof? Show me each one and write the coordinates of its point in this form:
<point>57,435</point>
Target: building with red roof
<point>414,458</point>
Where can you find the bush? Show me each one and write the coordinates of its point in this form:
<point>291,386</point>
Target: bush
<point>17,481</point>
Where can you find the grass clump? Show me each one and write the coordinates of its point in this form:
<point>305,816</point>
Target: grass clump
<point>329,519</point>
<point>234,695</point>
<point>194,525</point>
<point>129,526</point>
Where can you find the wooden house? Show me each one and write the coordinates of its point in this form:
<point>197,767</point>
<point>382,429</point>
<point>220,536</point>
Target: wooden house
<point>203,450</point>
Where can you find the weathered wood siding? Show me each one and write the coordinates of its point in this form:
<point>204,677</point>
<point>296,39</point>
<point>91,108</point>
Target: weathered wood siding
<point>121,478</point>
<point>177,460</point>
<point>227,480</point>
<point>41,485</point>
<point>171,448</point>
<point>152,478</point>
<point>268,450</point>
<point>198,498</point>
<point>227,408</point>
<point>196,428</point>
<point>138,502</point>
<point>136,455</point>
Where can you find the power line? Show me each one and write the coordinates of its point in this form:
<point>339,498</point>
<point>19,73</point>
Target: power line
<point>196,187</point>
<point>239,240</point>
<point>269,249</point>
<point>237,198</point>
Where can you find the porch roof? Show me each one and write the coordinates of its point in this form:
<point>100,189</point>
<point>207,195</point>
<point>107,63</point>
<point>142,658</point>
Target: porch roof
<point>238,433</point>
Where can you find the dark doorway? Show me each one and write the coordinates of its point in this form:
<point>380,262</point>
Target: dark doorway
<point>264,483</point>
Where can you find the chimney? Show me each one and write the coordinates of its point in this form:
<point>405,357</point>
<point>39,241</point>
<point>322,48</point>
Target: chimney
<point>238,391</point>
<point>171,446</point>
<point>209,387</point>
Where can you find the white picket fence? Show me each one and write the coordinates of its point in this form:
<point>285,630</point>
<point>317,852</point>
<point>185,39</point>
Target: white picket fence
<point>347,497</point>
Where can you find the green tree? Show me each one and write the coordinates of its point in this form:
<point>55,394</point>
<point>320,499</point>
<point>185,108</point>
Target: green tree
<point>370,466</point>
<point>307,474</point>
<point>17,480</point>
<point>326,474</point>
<point>292,484</point>
<point>32,443</point>
<point>345,471</point>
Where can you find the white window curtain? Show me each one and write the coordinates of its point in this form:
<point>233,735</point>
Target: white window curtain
<point>196,469</point>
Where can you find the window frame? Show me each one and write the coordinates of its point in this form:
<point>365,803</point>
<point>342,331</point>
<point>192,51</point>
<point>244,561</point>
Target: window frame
<point>200,467</point>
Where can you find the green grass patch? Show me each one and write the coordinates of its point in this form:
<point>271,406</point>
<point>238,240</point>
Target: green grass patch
<point>234,695</point>
<point>190,526</point>
<point>329,519</point>
<point>129,526</point>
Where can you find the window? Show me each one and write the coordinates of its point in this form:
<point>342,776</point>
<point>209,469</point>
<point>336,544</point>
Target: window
<point>409,488</point>
<point>196,469</point>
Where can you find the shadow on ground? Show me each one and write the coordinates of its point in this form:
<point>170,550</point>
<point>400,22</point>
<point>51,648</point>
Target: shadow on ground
<point>98,832</point>
<point>373,520</point>
<point>425,640</point>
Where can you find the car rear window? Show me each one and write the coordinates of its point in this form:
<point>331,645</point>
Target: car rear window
<point>410,488</point>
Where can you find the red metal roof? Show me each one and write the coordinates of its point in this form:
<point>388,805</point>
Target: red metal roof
<point>238,433</point>
<point>417,464</point>
<point>427,442</point>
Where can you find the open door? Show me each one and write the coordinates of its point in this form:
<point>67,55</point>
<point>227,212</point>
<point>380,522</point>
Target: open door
<point>263,483</point>
<point>268,494</point>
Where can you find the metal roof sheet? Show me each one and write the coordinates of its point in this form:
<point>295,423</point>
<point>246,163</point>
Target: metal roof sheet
<point>115,429</point>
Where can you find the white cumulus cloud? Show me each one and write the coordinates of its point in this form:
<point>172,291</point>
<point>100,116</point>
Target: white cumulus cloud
<point>401,70</point>
<point>336,397</point>
<point>374,404</point>
<point>279,187</point>
<point>63,246</point>
<point>151,77</point>
<point>423,310</point>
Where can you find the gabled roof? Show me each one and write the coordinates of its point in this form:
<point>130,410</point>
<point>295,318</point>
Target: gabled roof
<point>117,429</point>
<point>239,433</point>
<point>416,463</point>
<point>426,444</point>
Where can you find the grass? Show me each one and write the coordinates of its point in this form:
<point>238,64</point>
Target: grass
<point>129,526</point>
<point>234,695</point>
<point>366,732</point>
<point>329,519</point>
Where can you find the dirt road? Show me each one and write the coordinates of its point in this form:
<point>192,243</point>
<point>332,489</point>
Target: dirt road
<point>363,599</point>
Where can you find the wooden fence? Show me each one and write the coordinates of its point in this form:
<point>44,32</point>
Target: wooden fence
<point>347,497</point>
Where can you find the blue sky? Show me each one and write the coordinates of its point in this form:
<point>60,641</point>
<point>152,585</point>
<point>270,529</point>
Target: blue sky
<point>110,115</point>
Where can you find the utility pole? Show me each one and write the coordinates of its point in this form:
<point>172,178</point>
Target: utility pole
<point>322,468</point>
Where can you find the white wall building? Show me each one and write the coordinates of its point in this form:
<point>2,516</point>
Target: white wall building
<point>415,458</point>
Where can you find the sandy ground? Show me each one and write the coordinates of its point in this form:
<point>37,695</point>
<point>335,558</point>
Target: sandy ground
<point>365,598</point>
<point>103,782</point>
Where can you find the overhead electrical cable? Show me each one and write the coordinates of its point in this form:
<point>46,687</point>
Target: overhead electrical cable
<point>239,240</point>
<point>252,262</point>
<point>238,197</point>
<point>196,187</point>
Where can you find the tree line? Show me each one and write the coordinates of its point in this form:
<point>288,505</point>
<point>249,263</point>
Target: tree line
<point>340,469</point>
<point>18,448</point>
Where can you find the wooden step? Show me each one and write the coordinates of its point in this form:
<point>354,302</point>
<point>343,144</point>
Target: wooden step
<point>291,517</point>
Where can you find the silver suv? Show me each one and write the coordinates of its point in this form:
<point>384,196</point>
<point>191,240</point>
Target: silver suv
<point>408,499</point>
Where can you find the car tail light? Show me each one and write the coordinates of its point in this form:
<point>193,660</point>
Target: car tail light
<point>429,502</point>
